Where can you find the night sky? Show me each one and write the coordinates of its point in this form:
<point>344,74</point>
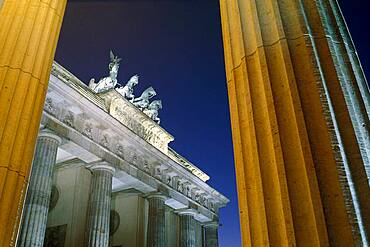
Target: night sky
<point>176,47</point>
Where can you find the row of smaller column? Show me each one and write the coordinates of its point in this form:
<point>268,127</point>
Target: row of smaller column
<point>36,208</point>
<point>35,212</point>
<point>156,234</point>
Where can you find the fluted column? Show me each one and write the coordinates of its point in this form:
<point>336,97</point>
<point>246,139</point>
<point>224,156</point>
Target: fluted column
<point>38,195</point>
<point>29,31</point>
<point>156,236</point>
<point>211,234</point>
<point>187,228</point>
<point>298,102</point>
<point>99,205</point>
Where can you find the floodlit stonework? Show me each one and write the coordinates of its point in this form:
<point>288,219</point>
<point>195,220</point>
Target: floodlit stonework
<point>112,157</point>
<point>299,106</point>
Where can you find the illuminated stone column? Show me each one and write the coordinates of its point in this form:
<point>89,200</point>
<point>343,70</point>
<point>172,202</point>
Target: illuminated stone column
<point>156,235</point>
<point>187,228</point>
<point>28,38</point>
<point>38,195</point>
<point>100,200</point>
<point>211,234</point>
<point>298,103</point>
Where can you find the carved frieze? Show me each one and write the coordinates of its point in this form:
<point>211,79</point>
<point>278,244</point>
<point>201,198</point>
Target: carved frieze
<point>104,141</point>
<point>130,116</point>
<point>87,131</point>
<point>69,119</point>
<point>180,186</point>
<point>119,150</point>
<point>168,180</point>
<point>49,106</point>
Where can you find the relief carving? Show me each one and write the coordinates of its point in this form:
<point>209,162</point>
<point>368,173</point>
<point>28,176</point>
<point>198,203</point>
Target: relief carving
<point>119,150</point>
<point>49,106</point>
<point>138,124</point>
<point>168,180</point>
<point>88,130</point>
<point>69,119</point>
<point>197,197</point>
<point>104,141</point>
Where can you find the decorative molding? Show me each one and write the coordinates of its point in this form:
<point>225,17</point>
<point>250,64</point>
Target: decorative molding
<point>156,194</point>
<point>130,116</point>
<point>102,165</point>
<point>69,119</point>
<point>187,211</point>
<point>211,224</point>
<point>50,134</point>
<point>187,164</point>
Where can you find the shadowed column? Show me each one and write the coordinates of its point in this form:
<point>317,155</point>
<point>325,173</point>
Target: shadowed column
<point>38,195</point>
<point>156,221</point>
<point>28,38</point>
<point>187,228</point>
<point>100,200</point>
<point>211,234</point>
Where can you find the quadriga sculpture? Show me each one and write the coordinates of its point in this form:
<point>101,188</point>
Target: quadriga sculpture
<point>152,110</point>
<point>110,81</point>
<point>143,101</point>
<point>127,91</point>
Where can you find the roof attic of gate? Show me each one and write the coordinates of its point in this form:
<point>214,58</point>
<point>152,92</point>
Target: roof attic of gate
<point>130,116</point>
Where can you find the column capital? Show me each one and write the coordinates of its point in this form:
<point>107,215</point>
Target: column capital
<point>156,194</point>
<point>187,211</point>
<point>101,165</point>
<point>49,134</point>
<point>211,224</point>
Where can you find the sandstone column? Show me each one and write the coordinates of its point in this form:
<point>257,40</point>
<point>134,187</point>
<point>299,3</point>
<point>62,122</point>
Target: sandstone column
<point>298,113</point>
<point>100,200</point>
<point>211,234</point>
<point>156,235</point>
<point>38,194</point>
<point>187,228</point>
<point>28,37</point>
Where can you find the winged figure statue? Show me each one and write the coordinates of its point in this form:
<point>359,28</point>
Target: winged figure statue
<point>110,81</point>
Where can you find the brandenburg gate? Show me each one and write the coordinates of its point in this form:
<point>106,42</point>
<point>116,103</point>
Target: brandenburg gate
<point>299,105</point>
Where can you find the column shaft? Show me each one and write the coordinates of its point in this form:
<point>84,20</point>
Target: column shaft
<point>38,195</point>
<point>187,231</point>
<point>299,151</point>
<point>211,236</point>
<point>28,37</point>
<point>156,222</point>
<point>198,234</point>
<point>99,212</point>
<point>172,229</point>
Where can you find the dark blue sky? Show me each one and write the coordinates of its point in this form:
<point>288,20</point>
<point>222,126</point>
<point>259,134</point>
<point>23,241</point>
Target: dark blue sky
<point>176,47</point>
